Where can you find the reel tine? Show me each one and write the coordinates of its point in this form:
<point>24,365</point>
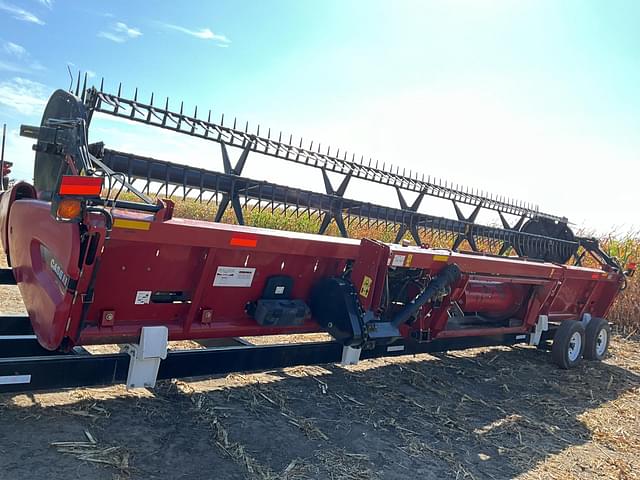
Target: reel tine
<point>339,161</point>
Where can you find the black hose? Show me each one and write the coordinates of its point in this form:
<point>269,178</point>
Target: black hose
<point>447,276</point>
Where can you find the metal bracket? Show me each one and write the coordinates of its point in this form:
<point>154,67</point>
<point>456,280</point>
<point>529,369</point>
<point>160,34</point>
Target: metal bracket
<point>506,245</point>
<point>468,234</point>
<point>229,170</point>
<point>350,356</point>
<point>586,318</point>
<point>542,325</point>
<point>413,208</point>
<point>146,356</point>
<point>335,210</point>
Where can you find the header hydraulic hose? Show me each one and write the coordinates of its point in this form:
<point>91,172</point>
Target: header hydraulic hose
<point>436,287</point>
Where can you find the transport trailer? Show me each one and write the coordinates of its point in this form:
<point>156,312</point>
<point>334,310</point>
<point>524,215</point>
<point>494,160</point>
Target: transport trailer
<point>94,269</point>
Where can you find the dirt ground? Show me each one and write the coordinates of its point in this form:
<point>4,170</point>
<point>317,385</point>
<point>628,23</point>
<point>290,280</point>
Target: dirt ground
<point>484,413</point>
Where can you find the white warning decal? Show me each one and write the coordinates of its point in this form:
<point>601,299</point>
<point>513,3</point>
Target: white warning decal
<point>398,260</point>
<point>143,297</point>
<point>395,348</point>
<point>233,277</point>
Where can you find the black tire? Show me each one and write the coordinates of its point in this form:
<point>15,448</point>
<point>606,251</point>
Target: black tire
<point>598,335</point>
<point>563,350</point>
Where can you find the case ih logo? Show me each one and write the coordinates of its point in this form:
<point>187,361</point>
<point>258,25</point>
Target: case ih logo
<point>57,269</point>
<point>62,278</point>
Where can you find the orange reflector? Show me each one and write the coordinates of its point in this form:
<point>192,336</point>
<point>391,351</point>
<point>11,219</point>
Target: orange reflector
<point>69,208</point>
<point>244,241</point>
<point>81,185</point>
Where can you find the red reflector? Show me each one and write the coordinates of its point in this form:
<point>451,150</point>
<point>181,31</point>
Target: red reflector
<point>243,241</point>
<point>81,185</point>
<point>632,266</point>
<point>595,276</point>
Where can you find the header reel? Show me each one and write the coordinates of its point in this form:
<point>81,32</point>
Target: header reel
<point>62,148</point>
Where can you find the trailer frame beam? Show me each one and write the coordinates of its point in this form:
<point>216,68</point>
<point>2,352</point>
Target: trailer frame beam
<point>79,368</point>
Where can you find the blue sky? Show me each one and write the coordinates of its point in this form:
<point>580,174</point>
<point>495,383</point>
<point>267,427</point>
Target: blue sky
<point>534,99</point>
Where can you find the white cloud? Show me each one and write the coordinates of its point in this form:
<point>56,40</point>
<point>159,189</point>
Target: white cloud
<point>47,3</point>
<point>25,96</point>
<point>20,13</point>
<point>128,31</point>
<point>14,49</point>
<point>21,61</point>
<point>111,36</point>
<point>203,33</point>
<point>120,32</point>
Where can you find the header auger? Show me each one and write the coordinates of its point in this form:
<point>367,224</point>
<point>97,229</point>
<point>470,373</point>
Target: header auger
<point>93,268</point>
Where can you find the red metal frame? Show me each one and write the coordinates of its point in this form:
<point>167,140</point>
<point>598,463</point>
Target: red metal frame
<point>84,285</point>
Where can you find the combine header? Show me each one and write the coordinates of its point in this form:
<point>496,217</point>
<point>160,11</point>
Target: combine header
<point>93,268</point>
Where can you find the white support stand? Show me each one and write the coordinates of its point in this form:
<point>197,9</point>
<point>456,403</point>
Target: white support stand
<point>542,325</point>
<point>350,356</point>
<point>146,356</point>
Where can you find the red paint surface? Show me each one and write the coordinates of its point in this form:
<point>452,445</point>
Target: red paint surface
<point>493,297</point>
<point>181,255</point>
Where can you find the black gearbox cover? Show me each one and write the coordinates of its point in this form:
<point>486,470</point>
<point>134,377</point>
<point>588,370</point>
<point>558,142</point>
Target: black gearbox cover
<point>335,307</point>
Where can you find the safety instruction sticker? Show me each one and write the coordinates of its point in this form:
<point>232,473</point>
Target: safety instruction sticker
<point>233,277</point>
<point>398,261</point>
<point>366,286</point>
<point>143,297</point>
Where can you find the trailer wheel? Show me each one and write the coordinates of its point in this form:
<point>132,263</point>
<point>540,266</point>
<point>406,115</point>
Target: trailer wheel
<point>568,344</point>
<point>598,334</point>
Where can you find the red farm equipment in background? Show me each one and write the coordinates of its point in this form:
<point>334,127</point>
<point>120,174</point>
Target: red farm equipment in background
<point>94,268</point>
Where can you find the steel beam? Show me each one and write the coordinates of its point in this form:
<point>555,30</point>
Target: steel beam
<point>21,374</point>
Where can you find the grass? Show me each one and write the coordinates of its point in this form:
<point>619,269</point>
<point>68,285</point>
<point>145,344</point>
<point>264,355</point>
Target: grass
<point>625,312</point>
